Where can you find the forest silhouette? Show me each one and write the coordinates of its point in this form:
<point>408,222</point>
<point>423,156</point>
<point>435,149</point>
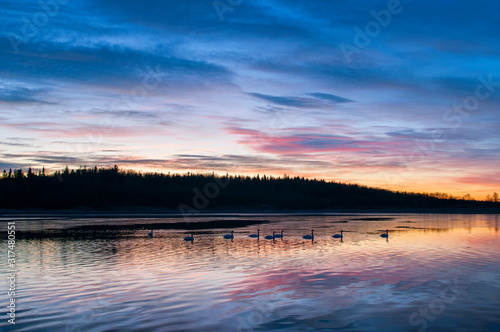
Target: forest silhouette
<point>112,188</point>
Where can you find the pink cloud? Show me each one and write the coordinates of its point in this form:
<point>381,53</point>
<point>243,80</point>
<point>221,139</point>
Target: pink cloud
<point>491,180</point>
<point>307,143</point>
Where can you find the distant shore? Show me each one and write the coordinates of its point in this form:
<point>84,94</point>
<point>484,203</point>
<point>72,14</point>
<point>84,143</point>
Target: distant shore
<point>145,212</point>
<point>126,220</point>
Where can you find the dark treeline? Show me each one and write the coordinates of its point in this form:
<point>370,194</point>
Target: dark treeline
<point>111,188</point>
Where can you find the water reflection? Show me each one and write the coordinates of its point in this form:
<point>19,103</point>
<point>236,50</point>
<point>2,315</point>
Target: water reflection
<point>211,283</point>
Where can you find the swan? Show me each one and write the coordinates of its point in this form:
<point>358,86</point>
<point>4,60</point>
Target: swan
<point>150,234</point>
<point>255,235</point>
<point>189,238</point>
<point>229,236</point>
<point>339,236</point>
<point>279,235</point>
<point>309,236</point>
<point>386,234</point>
<point>270,237</point>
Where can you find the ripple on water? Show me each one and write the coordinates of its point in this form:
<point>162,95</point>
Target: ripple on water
<point>362,283</point>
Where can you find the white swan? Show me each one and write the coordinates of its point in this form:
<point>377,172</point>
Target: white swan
<point>255,235</point>
<point>279,235</point>
<point>309,236</point>
<point>270,237</point>
<point>339,236</point>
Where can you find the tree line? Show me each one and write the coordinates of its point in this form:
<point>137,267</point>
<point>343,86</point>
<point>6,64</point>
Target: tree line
<point>112,188</point>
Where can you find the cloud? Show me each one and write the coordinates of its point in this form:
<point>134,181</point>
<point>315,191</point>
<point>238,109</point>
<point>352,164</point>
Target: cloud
<point>286,101</point>
<point>312,143</point>
<point>86,131</point>
<point>330,97</point>
<point>231,163</point>
<point>320,100</point>
<point>20,94</point>
<point>440,136</point>
<point>124,114</point>
<point>106,65</point>
<point>486,180</point>
<point>17,144</point>
<point>7,166</point>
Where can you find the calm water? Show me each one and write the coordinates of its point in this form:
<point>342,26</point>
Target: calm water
<point>435,273</point>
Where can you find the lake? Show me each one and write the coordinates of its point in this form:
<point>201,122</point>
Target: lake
<point>435,272</point>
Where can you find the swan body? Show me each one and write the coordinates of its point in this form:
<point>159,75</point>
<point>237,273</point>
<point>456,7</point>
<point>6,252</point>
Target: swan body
<point>229,236</point>
<point>309,236</point>
<point>255,235</point>
<point>339,236</point>
<point>189,238</point>
<point>280,235</point>
<point>150,234</point>
<point>270,237</point>
<point>386,234</point>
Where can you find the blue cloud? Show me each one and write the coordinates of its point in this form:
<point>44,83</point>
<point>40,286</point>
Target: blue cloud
<point>320,100</point>
<point>287,101</point>
<point>21,94</point>
<point>330,97</point>
<point>104,65</point>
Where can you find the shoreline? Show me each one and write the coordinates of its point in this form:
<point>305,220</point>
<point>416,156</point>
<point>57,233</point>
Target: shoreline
<point>168,213</point>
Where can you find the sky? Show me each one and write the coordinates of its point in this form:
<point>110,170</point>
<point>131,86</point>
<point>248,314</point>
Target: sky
<point>403,95</point>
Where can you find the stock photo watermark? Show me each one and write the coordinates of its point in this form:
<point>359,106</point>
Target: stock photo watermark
<point>428,313</point>
<point>12,275</point>
<point>100,303</point>
<point>453,118</point>
<point>201,200</point>
<point>223,6</point>
<point>372,29</point>
<point>151,80</point>
<point>32,25</point>
<point>261,311</point>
